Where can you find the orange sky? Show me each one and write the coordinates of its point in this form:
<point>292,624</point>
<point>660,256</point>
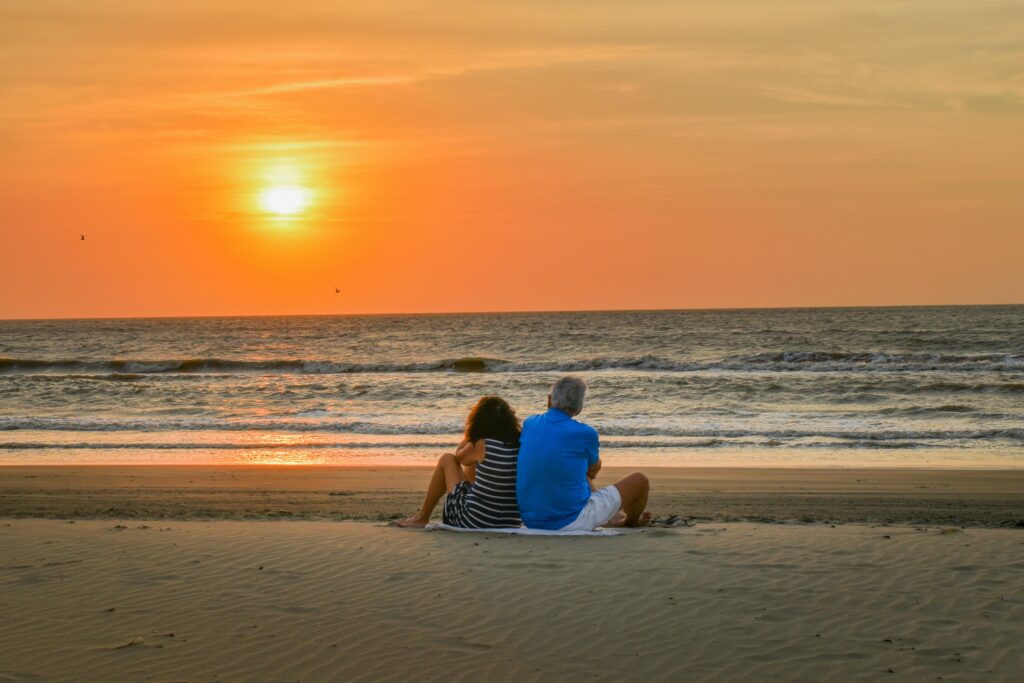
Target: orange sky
<point>508,156</point>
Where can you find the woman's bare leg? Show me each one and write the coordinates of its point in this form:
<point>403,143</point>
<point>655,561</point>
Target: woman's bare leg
<point>446,475</point>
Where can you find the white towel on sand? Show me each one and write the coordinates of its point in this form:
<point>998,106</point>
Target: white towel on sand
<point>523,531</point>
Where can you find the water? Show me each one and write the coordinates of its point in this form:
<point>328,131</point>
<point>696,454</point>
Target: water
<point>898,387</point>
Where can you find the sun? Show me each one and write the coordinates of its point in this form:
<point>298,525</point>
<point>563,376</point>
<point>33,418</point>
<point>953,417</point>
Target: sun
<point>285,200</point>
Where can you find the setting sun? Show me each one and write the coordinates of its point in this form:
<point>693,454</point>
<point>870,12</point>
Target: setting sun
<point>285,200</point>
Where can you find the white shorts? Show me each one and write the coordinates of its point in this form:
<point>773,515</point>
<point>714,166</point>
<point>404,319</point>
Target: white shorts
<point>600,508</point>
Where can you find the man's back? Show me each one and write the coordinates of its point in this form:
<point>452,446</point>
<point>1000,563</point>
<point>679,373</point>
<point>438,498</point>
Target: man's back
<point>554,454</point>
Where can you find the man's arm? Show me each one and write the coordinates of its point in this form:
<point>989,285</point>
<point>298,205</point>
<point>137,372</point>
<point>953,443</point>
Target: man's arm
<point>592,474</point>
<point>593,446</point>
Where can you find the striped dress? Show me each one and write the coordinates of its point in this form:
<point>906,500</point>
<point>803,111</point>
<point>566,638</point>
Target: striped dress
<point>490,501</point>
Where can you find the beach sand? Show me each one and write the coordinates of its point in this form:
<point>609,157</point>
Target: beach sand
<point>155,574</point>
<point>318,600</point>
<point>961,497</point>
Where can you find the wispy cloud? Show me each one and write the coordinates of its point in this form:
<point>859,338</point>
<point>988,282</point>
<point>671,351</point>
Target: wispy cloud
<point>487,62</point>
<point>323,84</point>
<point>827,99</point>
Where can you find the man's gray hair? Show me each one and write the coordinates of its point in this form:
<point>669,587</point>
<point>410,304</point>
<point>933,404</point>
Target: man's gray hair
<point>567,394</point>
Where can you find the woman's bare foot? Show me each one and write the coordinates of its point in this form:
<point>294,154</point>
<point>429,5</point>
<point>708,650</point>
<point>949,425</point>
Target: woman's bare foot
<point>414,522</point>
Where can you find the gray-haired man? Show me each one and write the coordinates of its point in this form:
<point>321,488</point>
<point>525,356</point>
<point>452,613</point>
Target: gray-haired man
<point>558,462</point>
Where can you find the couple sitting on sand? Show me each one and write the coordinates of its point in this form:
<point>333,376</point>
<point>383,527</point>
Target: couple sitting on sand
<point>540,475</point>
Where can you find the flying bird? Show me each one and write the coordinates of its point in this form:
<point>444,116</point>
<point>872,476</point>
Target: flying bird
<point>83,237</point>
<point>337,291</point>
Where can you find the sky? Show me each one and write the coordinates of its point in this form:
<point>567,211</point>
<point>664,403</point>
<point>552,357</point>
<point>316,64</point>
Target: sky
<point>250,157</point>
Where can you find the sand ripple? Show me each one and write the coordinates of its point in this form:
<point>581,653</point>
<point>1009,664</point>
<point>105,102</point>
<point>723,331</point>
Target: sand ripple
<point>229,600</point>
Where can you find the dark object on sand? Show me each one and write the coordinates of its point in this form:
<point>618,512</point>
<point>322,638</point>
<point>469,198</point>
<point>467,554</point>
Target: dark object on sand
<point>671,520</point>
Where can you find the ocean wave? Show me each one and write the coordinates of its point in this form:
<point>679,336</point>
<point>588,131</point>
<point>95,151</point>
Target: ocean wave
<point>859,443</point>
<point>931,410</point>
<point>312,445</point>
<point>453,428</point>
<point>211,424</point>
<point>825,361</point>
<point>129,369</point>
<point>700,444</point>
<point>428,445</point>
<point>186,445</point>
<point>973,387</point>
<point>784,361</point>
<point>1010,434</point>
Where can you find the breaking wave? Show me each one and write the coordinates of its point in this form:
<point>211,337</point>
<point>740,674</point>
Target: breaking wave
<point>454,428</point>
<point>787,361</point>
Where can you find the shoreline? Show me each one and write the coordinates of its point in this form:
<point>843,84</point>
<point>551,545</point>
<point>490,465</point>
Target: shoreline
<point>610,464</point>
<point>266,452</point>
<point>975,498</point>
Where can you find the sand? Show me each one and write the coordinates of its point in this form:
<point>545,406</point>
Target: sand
<point>249,573</point>
<point>960,497</point>
<point>318,600</point>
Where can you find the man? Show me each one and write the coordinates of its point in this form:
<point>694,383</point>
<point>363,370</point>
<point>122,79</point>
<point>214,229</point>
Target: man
<point>558,462</point>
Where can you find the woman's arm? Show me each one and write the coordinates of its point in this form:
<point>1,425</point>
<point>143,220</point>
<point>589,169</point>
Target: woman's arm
<point>470,453</point>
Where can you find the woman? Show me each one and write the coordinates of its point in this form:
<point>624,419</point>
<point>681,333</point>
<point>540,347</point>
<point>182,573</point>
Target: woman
<point>480,477</point>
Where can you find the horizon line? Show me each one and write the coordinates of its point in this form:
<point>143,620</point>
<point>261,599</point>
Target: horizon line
<point>510,312</point>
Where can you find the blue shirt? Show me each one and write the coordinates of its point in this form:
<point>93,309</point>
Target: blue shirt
<point>555,452</point>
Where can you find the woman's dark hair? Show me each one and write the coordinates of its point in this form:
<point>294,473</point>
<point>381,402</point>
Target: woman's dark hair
<point>493,418</point>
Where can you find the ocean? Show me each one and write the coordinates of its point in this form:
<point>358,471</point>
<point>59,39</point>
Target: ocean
<point>870,387</point>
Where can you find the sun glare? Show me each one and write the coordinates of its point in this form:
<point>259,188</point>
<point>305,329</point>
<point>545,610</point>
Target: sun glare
<point>285,200</point>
